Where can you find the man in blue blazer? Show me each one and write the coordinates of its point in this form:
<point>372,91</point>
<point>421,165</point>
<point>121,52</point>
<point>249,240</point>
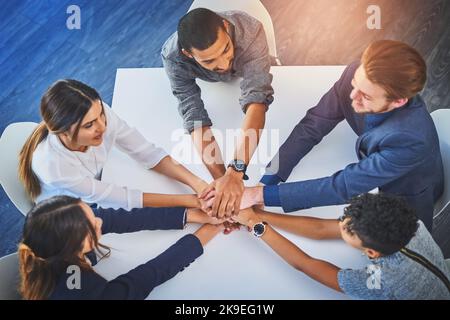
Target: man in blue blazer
<point>397,146</point>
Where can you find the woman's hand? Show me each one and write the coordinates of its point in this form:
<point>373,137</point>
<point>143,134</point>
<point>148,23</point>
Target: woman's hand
<point>246,217</point>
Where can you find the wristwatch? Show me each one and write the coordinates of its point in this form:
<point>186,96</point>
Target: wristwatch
<point>239,166</point>
<point>259,229</point>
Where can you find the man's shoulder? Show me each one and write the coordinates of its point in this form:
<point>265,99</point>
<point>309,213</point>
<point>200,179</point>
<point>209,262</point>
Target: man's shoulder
<point>170,49</point>
<point>350,70</point>
<point>246,27</point>
<point>240,18</point>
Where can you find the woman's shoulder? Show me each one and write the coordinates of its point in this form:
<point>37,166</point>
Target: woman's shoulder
<point>77,283</point>
<point>48,158</point>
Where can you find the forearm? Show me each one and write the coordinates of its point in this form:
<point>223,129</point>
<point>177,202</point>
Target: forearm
<point>172,169</point>
<point>321,271</point>
<point>206,232</point>
<point>209,151</point>
<point>170,200</point>
<point>309,227</point>
<point>252,126</point>
<point>123,221</point>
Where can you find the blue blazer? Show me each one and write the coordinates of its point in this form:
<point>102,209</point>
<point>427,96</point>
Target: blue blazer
<point>139,282</point>
<point>400,156</point>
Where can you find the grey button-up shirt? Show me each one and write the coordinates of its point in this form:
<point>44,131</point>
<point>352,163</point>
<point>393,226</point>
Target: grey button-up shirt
<point>251,63</point>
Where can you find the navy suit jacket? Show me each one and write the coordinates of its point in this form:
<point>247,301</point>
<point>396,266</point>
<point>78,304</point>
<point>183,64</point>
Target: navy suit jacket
<point>139,282</point>
<point>400,156</point>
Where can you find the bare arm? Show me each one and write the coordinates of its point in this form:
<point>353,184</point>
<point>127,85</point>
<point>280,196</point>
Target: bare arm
<point>322,271</point>
<point>206,232</point>
<point>209,151</point>
<point>309,227</point>
<point>230,187</point>
<point>254,122</point>
<point>172,169</point>
<point>171,200</point>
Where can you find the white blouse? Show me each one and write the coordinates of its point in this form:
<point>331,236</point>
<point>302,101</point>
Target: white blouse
<point>65,172</point>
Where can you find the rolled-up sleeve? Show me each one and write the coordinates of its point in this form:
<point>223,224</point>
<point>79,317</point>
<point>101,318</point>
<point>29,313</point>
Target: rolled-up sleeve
<point>188,94</point>
<point>256,85</point>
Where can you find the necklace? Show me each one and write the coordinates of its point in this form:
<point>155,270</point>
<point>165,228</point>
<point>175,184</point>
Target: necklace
<point>87,168</point>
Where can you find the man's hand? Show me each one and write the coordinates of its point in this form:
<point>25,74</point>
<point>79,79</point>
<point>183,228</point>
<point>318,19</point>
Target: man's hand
<point>228,193</point>
<point>252,197</point>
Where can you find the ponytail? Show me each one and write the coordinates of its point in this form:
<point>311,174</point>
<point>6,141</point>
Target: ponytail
<point>26,174</point>
<point>33,285</point>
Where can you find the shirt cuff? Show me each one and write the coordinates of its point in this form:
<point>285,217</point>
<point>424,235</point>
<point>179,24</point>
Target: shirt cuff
<point>270,179</point>
<point>271,196</point>
<point>159,154</point>
<point>135,199</point>
<point>184,217</point>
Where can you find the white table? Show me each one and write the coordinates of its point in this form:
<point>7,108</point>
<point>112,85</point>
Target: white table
<point>236,266</point>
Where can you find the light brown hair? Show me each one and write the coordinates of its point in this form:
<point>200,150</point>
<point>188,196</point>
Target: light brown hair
<point>395,66</point>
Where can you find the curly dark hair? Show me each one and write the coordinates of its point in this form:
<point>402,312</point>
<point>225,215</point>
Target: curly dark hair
<point>384,223</point>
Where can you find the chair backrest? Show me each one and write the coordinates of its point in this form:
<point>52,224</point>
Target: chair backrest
<point>253,7</point>
<point>441,119</point>
<point>9,277</point>
<point>11,142</point>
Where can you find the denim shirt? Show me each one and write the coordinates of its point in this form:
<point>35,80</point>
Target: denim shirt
<point>251,63</point>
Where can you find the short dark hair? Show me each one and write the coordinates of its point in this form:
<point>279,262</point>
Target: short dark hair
<point>198,29</point>
<point>384,223</point>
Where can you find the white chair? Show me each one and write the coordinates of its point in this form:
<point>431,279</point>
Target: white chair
<point>254,8</point>
<point>11,142</point>
<point>9,277</point>
<point>441,119</point>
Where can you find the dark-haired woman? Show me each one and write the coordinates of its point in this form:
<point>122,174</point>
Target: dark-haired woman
<point>61,236</point>
<point>66,153</point>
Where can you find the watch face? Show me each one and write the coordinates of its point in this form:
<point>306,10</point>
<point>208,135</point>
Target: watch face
<point>239,165</point>
<point>258,229</point>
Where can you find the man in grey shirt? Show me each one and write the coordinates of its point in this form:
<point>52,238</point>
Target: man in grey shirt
<point>220,47</point>
<point>384,228</point>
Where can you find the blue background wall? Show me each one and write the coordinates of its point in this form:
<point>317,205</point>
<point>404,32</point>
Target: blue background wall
<point>36,49</point>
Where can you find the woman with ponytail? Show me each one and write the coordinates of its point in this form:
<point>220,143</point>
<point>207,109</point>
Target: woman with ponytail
<point>61,234</point>
<point>66,153</point>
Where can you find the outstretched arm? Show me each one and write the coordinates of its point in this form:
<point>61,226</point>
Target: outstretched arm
<point>309,227</point>
<point>172,169</point>
<point>172,200</point>
<point>206,145</point>
<point>322,271</point>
